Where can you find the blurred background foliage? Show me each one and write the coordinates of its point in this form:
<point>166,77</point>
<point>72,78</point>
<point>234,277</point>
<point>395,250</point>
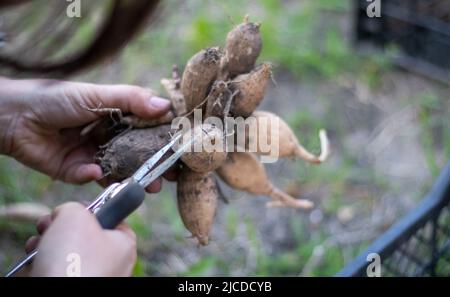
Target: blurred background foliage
<point>389,131</point>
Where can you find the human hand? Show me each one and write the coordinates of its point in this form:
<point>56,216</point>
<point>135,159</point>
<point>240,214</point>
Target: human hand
<point>72,243</point>
<point>41,121</point>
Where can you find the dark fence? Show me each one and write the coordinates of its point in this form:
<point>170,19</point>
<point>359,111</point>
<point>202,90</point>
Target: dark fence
<point>420,29</point>
<point>419,244</point>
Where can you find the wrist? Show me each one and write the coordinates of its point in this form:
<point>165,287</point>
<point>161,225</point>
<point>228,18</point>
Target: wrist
<point>7,127</point>
<point>11,106</point>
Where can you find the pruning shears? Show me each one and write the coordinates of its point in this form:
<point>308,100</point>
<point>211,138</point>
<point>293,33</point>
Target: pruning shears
<point>119,200</point>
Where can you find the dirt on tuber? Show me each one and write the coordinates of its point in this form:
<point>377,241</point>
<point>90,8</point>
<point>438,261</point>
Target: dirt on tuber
<point>197,195</point>
<point>199,73</point>
<point>251,88</point>
<point>124,154</point>
<point>243,46</point>
<point>207,152</point>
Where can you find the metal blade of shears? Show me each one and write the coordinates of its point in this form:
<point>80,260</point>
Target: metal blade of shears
<point>154,173</point>
<point>150,163</point>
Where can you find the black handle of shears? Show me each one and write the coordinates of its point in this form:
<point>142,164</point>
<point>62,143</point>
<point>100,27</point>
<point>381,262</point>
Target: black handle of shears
<point>116,209</point>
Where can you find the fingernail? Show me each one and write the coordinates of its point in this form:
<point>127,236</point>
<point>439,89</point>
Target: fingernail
<point>159,103</point>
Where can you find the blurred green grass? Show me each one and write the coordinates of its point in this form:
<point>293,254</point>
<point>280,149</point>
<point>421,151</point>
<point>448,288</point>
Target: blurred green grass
<point>434,119</point>
<point>296,37</point>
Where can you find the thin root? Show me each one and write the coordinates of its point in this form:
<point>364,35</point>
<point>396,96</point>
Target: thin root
<point>105,175</point>
<point>281,199</point>
<point>304,154</point>
<point>102,110</point>
<point>137,122</point>
<point>177,99</point>
<point>324,145</point>
<point>196,107</point>
<point>226,111</point>
<point>176,76</point>
<point>302,203</point>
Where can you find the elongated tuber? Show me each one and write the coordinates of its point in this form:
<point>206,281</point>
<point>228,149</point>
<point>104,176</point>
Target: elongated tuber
<point>283,138</point>
<point>199,74</point>
<point>251,88</point>
<point>243,45</point>
<point>243,171</point>
<point>197,195</point>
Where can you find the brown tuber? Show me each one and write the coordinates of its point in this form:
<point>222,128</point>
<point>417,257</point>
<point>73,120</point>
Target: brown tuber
<point>208,151</point>
<point>243,171</point>
<point>124,154</point>
<point>243,45</point>
<point>197,195</point>
<point>288,144</point>
<point>199,74</point>
<point>251,88</point>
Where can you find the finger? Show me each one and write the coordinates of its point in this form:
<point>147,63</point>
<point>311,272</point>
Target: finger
<point>68,208</point>
<point>155,186</point>
<point>32,243</point>
<point>123,227</point>
<point>125,247</point>
<point>43,223</point>
<point>77,166</point>
<point>172,174</point>
<point>79,173</point>
<point>85,203</point>
<point>123,237</point>
<point>136,100</point>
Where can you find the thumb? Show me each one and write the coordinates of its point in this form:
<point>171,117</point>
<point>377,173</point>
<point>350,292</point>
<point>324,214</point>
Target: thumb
<point>139,101</point>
